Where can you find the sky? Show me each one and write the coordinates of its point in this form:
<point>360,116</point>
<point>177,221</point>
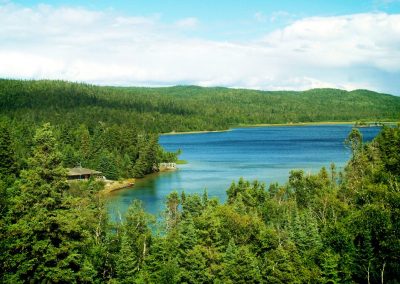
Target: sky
<point>267,45</point>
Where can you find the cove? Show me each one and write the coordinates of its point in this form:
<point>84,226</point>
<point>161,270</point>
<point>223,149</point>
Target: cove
<point>216,159</point>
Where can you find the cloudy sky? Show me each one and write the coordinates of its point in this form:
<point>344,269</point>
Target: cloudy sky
<point>271,45</point>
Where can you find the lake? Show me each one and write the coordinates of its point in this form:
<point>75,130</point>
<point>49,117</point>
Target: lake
<point>215,159</point>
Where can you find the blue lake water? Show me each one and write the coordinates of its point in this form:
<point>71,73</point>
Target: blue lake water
<point>216,159</point>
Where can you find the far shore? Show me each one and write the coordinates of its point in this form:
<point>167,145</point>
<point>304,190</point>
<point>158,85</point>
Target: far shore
<point>272,125</point>
<point>195,132</point>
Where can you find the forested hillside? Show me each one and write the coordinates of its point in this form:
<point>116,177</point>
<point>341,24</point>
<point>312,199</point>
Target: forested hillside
<point>325,228</point>
<point>184,108</point>
<point>114,129</point>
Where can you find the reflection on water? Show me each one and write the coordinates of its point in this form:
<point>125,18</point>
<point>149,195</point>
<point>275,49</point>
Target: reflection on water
<point>218,158</point>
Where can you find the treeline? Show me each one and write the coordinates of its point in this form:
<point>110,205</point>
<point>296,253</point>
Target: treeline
<point>118,151</point>
<point>184,108</point>
<point>114,130</point>
<point>330,227</point>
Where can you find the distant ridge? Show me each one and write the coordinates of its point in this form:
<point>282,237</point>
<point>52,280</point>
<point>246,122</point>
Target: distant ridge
<point>187,108</point>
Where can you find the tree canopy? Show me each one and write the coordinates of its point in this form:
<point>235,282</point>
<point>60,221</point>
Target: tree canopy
<point>327,227</point>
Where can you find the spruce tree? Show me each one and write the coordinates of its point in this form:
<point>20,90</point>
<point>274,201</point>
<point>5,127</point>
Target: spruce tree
<point>107,165</point>
<point>47,238</point>
<point>172,212</point>
<point>240,265</point>
<point>329,265</point>
<point>8,167</point>
<point>137,229</point>
<point>127,262</point>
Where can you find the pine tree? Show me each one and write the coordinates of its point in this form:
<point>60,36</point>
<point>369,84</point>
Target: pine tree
<point>8,167</point>
<point>47,239</point>
<point>354,142</point>
<point>107,165</point>
<point>329,265</point>
<point>241,266</point>
<point>187,235</point>
<point>151,155</point>
<point>195,266</point>
<point>127,262</point>
<point>172,212</point>
<point>84,143</point>
<point>140,167</point>
<point>136,227</point>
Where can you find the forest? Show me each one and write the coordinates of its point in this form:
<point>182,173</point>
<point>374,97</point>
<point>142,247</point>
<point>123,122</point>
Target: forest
<point>329,227</point>
<point>184,108</point>
<point>115,129</point>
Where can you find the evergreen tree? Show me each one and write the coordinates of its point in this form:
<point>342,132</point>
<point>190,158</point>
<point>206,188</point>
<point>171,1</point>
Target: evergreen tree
<point>172,212</point>
<point>84,144</point>
<point>137,229</point>
<point>240,265</point>
<point>195,266</point>
<point>8,166</point>
<point>127,265</point>
<point>47,240</point>
<point>140,168</point>
<point>329,265</point>
<point>107,165</point>
<point>354,141</point>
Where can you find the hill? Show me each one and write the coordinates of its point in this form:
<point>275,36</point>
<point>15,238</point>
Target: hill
<point>186,108</point>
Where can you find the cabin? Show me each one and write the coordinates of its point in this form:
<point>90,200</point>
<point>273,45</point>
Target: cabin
<point>82,174</point>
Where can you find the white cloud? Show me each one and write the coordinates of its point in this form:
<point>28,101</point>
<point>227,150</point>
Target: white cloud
<point>362,39</point>
<point>190,22</point>
<point>107,48</point>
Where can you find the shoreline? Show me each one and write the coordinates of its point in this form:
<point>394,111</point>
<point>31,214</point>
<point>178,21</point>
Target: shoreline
<point>126,183</point>
<point>194,132</point>
<point>117,185</point>
<point>269,125</point>
<point>295,124</point>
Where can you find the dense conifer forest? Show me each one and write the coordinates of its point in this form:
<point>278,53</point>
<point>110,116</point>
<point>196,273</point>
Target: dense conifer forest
<point>331,227</point>
<point>184,108</point>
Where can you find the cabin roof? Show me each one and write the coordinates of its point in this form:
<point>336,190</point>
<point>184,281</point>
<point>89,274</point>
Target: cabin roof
<point>81,171</point>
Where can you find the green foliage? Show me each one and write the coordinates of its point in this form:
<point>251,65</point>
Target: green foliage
<point>135,242</point>
<point>46,237</point>
<point>354,141</point>
<point>388,142</point>
<point>114,150</point>
<point>8,166</point>
<point>108,165</point>
<point>316,228</point>
<point>172,214</point>
<point>185,108</point>
<point>240,265</point>
<point>330,267</point>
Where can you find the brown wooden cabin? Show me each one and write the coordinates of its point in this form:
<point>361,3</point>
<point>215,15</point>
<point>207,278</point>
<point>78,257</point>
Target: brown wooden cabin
<point>82,173</point>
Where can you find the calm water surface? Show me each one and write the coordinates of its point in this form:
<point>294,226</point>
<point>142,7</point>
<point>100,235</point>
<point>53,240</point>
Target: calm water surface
<point>216,159</point>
